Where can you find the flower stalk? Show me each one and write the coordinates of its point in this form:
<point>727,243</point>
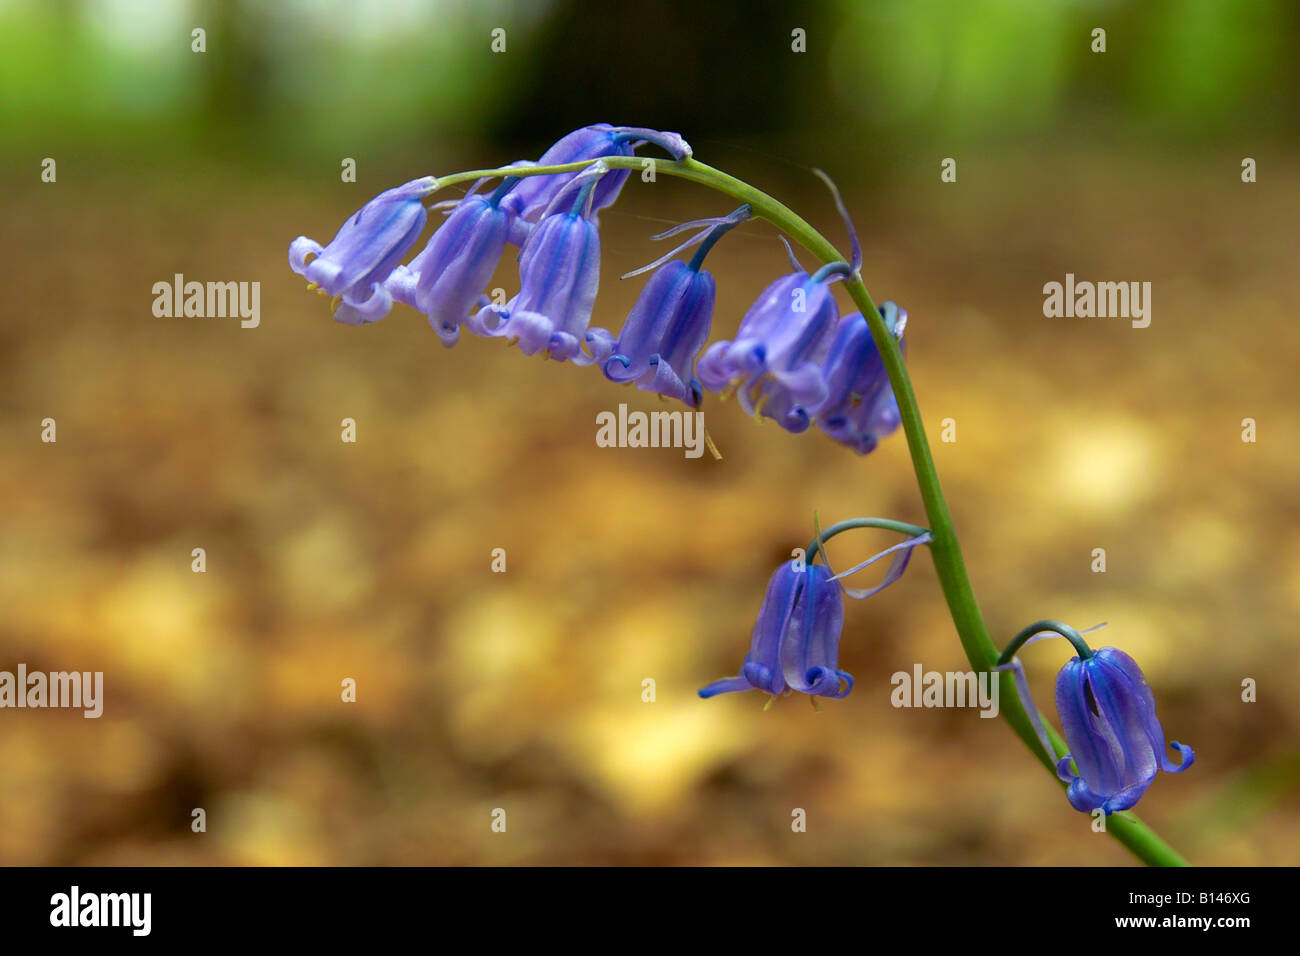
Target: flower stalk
<point>944,547</point>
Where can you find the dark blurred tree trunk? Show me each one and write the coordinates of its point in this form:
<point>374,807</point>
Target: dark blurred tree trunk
<point>704,68</point>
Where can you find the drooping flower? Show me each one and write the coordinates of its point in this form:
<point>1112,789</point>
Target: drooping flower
<point>670,321</point>
<point>796,638</point>
<point>860,407</point>
<point>536,193</point>
<point>663,334</point>
<point>774,362</point>
<point>1108,716</point>
<point>446,280</point>
<point>559,272</point>
<point>364,252</point>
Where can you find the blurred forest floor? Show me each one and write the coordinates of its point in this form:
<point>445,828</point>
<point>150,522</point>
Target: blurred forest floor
<point>523,690</point>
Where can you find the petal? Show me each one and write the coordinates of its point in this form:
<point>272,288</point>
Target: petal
<point>401,286</point>
<point>715,368</point>
<point>1031,710</point>
<point>1126,797</point>
<point>520,230</point>
<point>489,321</point>
<point>370,245</point>
<point>564,346</point>
<point>348,315</point>
<point>1144,709</point>
<point>371,309</point>
<point>762,677</point>
<point>326,274</point>
<point>559,272</point>
<point>642,333</point>
<point>689,323</point>
<point>896,567</point>
<point>533,194</point>
<point>663,379</point>
<point>1063,770</point>
<point>1127,710</point>
<point>532,330</point>
<point>728,685</point>
<point>804,384</point>
<point>1082,798</point>
<point>600,345</point>
<point>1185,753</point>
<point>1093,754</point>
<point>459,261</point>
<point>299,250</point>
<point>671,143</point>
<point>810,646</point>
<point>773,622</point>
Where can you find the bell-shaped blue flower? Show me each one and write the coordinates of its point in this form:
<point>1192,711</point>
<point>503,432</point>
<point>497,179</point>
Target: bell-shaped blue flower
<point>559,272</point>
<point>360,258</point>
<point>860,407</point>
<point>534,195</point>
<point>774,362</point>
<point>796,638</point>
<point>670,321</point>
<point>663,334</point>
<point>1108,716</point>
<point>446,280</point>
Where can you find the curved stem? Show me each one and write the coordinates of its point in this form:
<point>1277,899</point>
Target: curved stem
<point>1048,627</point>
<point>945,550</point>
<point>886,524</point>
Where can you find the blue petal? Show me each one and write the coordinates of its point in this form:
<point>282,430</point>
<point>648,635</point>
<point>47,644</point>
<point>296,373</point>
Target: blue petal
<point>896,567</point>
<point>456,265</point>
<point>728,685</point>
<point>810,646</point>
<point>369,245</point>
<point>1092,752</point>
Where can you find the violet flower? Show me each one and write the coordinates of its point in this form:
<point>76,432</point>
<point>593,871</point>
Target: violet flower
<point>559,272</point>
<point>364,252</point>
<point>860,407</point>
<point>1108,716</point>
<point>536,193</point>
<point>670,321</point>
<point>774,362</point>
<point>796,638</point>
<point>446,280</point>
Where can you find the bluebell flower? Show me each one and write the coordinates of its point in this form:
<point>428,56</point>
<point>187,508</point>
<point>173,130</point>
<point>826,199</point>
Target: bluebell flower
<point>663,334</point>
<point>774,362</point>
<point>368,246</point>
<point>670,321</point>
<point>1108,716</point>
<point>534,195</point>
<point>796,638</point>
<point>860,407</point>
<point>559,272</point>
<point>446,280</point>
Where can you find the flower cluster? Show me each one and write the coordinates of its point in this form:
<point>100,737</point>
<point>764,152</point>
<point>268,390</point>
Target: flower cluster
<point>793,360</point>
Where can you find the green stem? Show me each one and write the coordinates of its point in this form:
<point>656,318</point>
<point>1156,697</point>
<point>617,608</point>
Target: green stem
<point>944,548</point>
<point>1041,627</point>
<point>885,524</point>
